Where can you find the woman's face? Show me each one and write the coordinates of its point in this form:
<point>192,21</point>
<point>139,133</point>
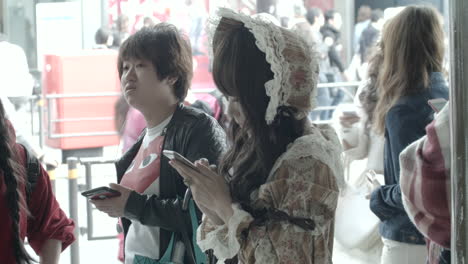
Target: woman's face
<point>235,110</point>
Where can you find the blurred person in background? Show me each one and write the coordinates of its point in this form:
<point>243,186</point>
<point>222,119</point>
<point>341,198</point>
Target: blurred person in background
<point>332,38</point>
<point>148,22</point>
<point>361,141</point>
<point>104,39</point>
<point>316,20</point>
<point>121,29</point>
<point>28,205</point>
<point>17,87</point>
<point>300,25</point>
<point>362,21</point>
<point>357,69</point>
<point>370,35</point>
<point>411,74</point>
<point>197,13</point>
<point>155,67</point>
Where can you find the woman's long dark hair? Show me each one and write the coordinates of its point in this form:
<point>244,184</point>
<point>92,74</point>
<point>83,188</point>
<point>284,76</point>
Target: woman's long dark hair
<point>240,71</point>
<point>14,179</point>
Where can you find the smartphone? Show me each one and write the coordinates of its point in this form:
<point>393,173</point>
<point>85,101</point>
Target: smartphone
<point>349,113</point>
<point>170,154</point>
<point>437,104</point>
<point>370,175</point>
<point>100,193</point>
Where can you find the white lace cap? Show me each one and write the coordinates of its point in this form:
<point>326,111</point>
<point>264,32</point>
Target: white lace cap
<point>293,62</point>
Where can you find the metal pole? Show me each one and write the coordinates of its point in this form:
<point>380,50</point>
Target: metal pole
<point>51,172</point>
<point>41,122</point>
<point>49,117</point>
<point>73,205</point>
<point>459,123</point>
<point>31,113</point>
<point>89,208</point>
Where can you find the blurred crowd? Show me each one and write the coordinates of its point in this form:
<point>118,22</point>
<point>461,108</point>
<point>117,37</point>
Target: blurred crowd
<point>275,164</point>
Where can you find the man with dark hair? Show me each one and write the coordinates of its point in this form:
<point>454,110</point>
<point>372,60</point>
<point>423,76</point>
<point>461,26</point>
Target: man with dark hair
<point>316,20</point>
<point>155,68</point>
<point>332,38</point>
<point>103,38</point>
<point>315,16</point>
<point>370,35</point>
<point>362,21</point>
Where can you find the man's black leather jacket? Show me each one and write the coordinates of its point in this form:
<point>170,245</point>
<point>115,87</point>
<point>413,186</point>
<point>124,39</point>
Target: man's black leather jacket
<point>193,134</point>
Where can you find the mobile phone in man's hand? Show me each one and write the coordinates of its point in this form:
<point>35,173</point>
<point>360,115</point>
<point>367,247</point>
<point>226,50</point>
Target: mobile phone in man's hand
<point>100,193</point>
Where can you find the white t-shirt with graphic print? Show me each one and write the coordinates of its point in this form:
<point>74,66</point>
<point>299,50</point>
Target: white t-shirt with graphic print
<point>143,176</point>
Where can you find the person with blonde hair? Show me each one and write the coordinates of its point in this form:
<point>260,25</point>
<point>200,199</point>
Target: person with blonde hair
<point>411,74</point>
<point>273,197</point>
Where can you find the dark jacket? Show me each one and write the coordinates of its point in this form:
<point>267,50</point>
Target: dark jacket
<point>193,134</point>
<point>368,41</point>
<point>330,31</point>
<point>405,123</point>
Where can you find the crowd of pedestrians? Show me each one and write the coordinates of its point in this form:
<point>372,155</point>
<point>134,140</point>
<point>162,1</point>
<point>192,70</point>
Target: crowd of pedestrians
<point>251,178</point>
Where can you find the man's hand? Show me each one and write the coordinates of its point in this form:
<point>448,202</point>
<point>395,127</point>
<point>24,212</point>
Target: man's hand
<point>114,207</point>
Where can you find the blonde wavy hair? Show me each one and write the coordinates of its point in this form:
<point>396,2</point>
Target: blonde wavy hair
<point>413,47</point>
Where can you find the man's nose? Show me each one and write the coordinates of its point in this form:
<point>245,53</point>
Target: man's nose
<point>131,75</point>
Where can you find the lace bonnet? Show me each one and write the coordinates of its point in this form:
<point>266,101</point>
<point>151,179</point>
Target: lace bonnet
<point>293,62</point>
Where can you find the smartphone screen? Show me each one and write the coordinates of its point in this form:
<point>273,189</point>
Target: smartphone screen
<point>350,113</point>
<point>170,154</point>
<point>437,104</point>
<point>100,193</point>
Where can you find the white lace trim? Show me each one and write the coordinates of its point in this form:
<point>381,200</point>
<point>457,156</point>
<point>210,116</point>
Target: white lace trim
<point>293,62</point>
<point>322,144</point>
<point>223,240</point>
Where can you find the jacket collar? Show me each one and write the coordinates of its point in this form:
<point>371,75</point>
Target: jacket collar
<point>123,163</point>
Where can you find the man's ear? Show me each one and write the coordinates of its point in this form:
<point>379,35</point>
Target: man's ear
<point>171,80</point>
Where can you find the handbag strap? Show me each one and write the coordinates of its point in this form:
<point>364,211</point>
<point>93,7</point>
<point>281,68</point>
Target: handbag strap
<point>200,257</point>
<point>166,258</point>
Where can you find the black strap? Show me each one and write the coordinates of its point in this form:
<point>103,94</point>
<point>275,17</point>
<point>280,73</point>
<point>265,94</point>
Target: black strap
<point>264,216</point>
<point>183,234</point>
<point>33,170</point>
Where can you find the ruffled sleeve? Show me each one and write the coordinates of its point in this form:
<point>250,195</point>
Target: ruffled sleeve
<point>224,239</point>
<point>303,187</point>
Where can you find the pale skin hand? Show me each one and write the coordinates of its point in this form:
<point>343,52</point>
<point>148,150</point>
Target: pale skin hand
<point>349,120</point>
<point>115,206</point>
<point>50,252</point>
<point>209,190</point>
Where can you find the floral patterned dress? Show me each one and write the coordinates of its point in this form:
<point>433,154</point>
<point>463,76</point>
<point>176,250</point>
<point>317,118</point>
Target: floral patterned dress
<point>303,183</point>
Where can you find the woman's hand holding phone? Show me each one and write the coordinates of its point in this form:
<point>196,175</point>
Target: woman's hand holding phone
<point>348,118</point>
<point>437,104</point>
<point>372,182</point>
<point>209,190</point>
<point>173,155</point>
